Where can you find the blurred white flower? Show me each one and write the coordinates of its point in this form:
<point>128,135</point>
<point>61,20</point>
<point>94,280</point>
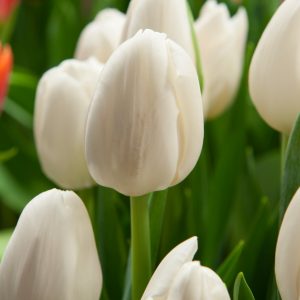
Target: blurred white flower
<point>287,258</point>
<point>62,100</point>
<point>52,253</point>
<point>167,16</point>
<point>274,78</point>
<point>102,36</point>
<point>145,126</point>
<point>179,278</point>
<point>222,42</point>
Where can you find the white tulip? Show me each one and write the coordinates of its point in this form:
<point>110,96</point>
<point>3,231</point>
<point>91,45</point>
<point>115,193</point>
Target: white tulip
<point>222,42</point>
<point>62,100</point>
<point>167,16</point>
<point>287,258</point>
<point>102,36</point>
<point>145,126</point>
<point>52,253</point>
<point>274,78</point>
<point>179,278</point>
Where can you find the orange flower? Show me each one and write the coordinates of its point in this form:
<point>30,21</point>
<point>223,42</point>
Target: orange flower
<point>6,61</point>
<point>6,8</point>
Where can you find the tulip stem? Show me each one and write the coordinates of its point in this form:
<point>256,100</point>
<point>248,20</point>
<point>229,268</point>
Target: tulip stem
<point>196,47</point>
<point>140,245</point>
<point>284,142</point>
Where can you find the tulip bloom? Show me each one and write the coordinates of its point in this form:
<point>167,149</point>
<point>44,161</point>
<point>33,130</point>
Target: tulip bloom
<point>6,62</point>
<point>287,259</point>
<point>178,277</point>
<point>168,16</point>
<point>274,78</point>
<point>62,100</point>
<point>145,126</point>
<point>6,8</point>
<point>222,42</point>
<point>52,253</point>
<point>102,36</point>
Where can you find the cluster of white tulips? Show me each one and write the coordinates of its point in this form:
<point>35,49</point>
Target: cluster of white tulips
<point>128,113</point>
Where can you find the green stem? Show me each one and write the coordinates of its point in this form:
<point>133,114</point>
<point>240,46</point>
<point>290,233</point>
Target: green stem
<point>140,245</point>
<point>196,47</point>
<point>284,143</point>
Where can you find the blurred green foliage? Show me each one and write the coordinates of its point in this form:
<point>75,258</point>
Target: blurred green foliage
<point>231,196</point>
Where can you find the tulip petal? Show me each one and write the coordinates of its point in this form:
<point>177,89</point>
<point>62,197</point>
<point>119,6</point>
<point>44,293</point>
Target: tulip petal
<point>188,98</point>
<point>221,42</point>
<point>274,78</point>
<point>168,16</point>
<point>131,132</point>
<point>195,282</point>
<point>63,97</point>
<point>52,253</point>
<point>164,274</point>
<point>102,36</point>
<point>287,259</point>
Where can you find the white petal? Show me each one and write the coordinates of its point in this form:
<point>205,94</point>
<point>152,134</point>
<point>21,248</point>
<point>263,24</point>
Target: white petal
<point>287,259</point>
<point>274,78</point>
<point>132,138</point>
<point>168,16</point>
<point>195,282</point>
<point>186,87</point>
<point>102,36</point>
<point>63,97</point>
<point>221,42</point>
<point>52,253</point>
<point>168,268</point>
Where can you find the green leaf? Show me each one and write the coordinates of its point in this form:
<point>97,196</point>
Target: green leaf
<point>241,289</point>
<point>8,154</point>
<point>157,212</point>
<point>111,241</point>
<point>18,113</point>
<point>127,283</point>
<point>4,238</point>
<point>228,269</point>
<point>23,79</point>
<point>291,169</point>
<point>12,193</point>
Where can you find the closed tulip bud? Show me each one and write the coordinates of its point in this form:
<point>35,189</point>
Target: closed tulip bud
<point>168,16</point>
<point>222,42</point>
<point>6,62</point>
<point>287,258</point>
<point>52,253</point>
<point>62,100</point>
<point>179,278</point>
<point>274,72</point>
<point>102,36</point>
<point>145,126</point>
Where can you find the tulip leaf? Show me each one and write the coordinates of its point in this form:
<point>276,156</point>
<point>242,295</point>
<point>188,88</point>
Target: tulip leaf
<point>241,289</point>
<point>8,154</point>
<point>23,79</point>
<point>258,256</point>
<point>4,238</point>
<point>63,31</point>
<point>111,241</point>
<point>12,193</point>
<point>18,113</point>
<point>227,270</point>
<point>291,168</point>
<point>127,284</point>
<point>157,212</point>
